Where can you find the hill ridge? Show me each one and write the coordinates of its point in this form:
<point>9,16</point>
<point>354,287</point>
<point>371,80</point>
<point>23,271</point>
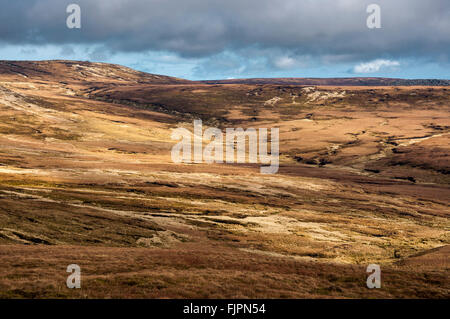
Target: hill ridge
<point>347,81</point>
<point>73,70</point>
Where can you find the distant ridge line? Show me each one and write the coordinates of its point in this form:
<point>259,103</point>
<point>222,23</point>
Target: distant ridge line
<point>336,81</point>
<point>94,71</point>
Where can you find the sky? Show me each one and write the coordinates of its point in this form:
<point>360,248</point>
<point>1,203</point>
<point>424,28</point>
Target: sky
<point>224,39</point>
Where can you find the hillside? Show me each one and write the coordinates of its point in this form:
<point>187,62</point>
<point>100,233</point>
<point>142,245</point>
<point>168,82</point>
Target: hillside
<point>86,177</point>
<point>79,71</point>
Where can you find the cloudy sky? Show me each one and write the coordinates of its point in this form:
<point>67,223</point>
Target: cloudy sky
<point>219,39</point>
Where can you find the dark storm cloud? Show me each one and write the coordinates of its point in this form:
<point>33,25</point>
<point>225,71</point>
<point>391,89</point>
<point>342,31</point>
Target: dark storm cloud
<point>332,29</point>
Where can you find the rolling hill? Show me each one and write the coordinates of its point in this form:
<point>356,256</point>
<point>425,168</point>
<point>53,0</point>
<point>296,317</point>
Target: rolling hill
<point>86,177</point>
